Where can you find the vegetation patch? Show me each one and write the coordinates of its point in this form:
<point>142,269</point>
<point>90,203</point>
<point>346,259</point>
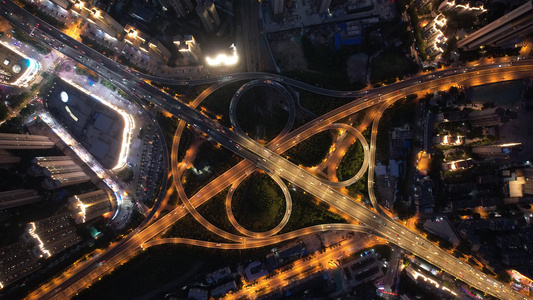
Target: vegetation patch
<point>25,38</point>
<point>211,161</point>
<point>45,17</point>
<point>168,126</point>
<point>351,162</point>
<point>319,104</point>
<point>108,85</point>
<point>126,174</point>
<point>81,70</point>
<point>389,65</point>
<point>311,151</point>
<point>258,203</point>
<point>261,112</point>
<point>164,264</point>
<point>307,211</point>
<point>218,102</point>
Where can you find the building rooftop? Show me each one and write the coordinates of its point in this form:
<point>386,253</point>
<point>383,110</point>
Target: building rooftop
<point>218,275</point>
<point>255,270</point>
<point>223,289</point>
<point>13,198</point>
<point>97,127</point>
<point>16,262</point>
<point>15,67</point>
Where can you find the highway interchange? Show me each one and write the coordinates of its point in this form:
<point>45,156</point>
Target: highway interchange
<point>269,159</point>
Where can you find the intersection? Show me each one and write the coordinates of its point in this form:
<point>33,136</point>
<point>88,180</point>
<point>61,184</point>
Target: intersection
<point>269,160</point>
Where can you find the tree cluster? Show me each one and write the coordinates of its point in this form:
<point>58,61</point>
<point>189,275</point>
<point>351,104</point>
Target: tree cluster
<point>311,151</point>
<point>351,162</point>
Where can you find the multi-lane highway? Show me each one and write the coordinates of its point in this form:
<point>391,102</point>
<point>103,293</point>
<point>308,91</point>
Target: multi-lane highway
<point>269,159</point>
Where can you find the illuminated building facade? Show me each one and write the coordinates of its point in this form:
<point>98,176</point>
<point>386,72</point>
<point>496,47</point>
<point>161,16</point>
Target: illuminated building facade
<point>460,8</point>
<point>433,34</point>
<point>100,127</point>
<point>65,179</point>
<point>502,151</point>
<point>158,51</point>
<point>211,9</point>
<point>24,141</point>
<point>51,235</point>
<point>448,140</point>
<point>505,30</point>
<point>16,68</point>
<point>53,165</point>
<point>14,198</point>
<point>89,206</point>
<point>456,165</point>
<point>62,3</point>
<point>144,43</point>
<point>188,47</point>
<point>61,171</point>
<point>99,18</point>
<point>223,59</point>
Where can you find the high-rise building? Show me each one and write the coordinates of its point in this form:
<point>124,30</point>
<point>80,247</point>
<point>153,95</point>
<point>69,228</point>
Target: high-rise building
<point>158,51</point>
<point>51,235</point>
<point>16,262</point>
<point>98,17</point>
<point>178,7</point>
<point>24,141</point>
<point>512,26</point>
<point>52,165</point>
<point>63,3</point>
<point>188,4</point>
<point>14,198</point>
<point>206,19</point>
<point>496,151</point>
<point>488,117</point>
<point>65,179</point>
<point>16,68</point>
<point>210,6</point>
<point>7,158</point>
<point>188,47</point>
<point>61,171</point>
<point>146,44</point>
<point>89,205</point>
<point>277,6</point>
<point>324,5</point>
